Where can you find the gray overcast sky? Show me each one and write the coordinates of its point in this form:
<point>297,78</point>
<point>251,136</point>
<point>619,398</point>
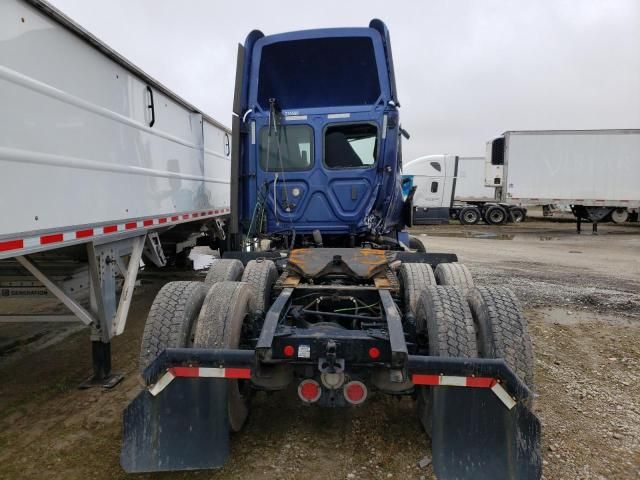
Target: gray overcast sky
<point>466,70</point>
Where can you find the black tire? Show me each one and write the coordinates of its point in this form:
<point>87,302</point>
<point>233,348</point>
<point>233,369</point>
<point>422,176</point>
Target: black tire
<point>416,244</point>
<point>518,214</point>
<point>502,329</point>
<point>414,277</point>
<point>261,274</point>
<point>443,314</point>
<point>171,319</point>
<point>495,215</point>
<point>223,313</point>
<point>469,215</point>
<point>224,270</point>
<point>456,274</point>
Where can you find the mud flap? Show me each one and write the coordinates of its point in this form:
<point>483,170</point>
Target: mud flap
<point>185,427</point>
<point>475,436</point>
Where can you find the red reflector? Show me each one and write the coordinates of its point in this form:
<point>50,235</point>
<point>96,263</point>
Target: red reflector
<point>374,352</point>
<point>309,391</point>
<point>355,392</point>
<point>288,350</point>
<point>11,245</point>
<point>56,237</point>
<point>237,373</point>
<point>185,371</point>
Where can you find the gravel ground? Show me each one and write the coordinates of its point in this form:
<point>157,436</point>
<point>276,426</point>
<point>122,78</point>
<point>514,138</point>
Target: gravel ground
<point>583,312</point>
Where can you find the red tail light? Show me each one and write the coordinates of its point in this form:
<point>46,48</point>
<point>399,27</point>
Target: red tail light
<point>374,353</point>
<point>309,391</point>
<point>355,392</point>
<point>288,350</point>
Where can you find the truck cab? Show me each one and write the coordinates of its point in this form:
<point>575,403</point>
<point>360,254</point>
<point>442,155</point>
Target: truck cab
<point>319,149</point>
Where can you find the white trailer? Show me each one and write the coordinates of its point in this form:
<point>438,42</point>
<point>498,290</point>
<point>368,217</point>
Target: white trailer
<point>99,162</point>
<point>594,172</point>
<point>470,184</point>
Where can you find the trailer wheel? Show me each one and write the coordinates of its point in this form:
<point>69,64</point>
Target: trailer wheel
<point>502,329</point>
<point>620,215</point>
<point>444,316</point>
<point>495,215</point>
<point>517,214</point>
<point>223,270</point>
<point>223,313</point>
<point>416,244</point>
<point>414,277</point>
<point>469,215</point>
<point>261,275</point>
<point>171,319</point>
<point>454,274</point>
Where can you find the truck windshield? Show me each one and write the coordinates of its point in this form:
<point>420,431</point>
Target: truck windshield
<point>350,146</point>
<point>287,148</point>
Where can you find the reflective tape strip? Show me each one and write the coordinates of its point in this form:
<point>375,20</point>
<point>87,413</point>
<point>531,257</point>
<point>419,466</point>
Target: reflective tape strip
<point>468,382</point>
<point>198,372</point>
<point>14,246</point>
<point>161,384</point>
<point>502,394</point>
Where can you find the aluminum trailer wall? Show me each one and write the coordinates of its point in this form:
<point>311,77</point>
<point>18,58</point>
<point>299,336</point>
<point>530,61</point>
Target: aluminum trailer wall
<point>588,168</point>
<point>80,146</point>
<point>99,162</point>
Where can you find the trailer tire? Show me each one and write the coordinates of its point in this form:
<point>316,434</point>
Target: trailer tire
<point>416,244</point>
<point>171,319</point>
<point>620,215</point>
<point>469,215</point>
<point>444,316</point>
<point>495,215</point>
<point>220,326</point>
<point>224,270</point>
<point>518,214</point>
<point>454,274</point>
<point>502,330</point>
<point>261,274</point>
<point>414,277</point>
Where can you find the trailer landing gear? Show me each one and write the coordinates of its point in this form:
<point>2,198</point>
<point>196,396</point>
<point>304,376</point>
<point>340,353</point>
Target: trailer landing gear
<point>102,374</point>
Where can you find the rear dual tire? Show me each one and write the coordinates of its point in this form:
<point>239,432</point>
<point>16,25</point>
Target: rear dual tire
<point>442,314</point>
<point>219,325</point>
<point>502,330</point>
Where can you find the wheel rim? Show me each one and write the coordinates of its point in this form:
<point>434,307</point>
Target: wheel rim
<point>469,217</point>
<point>496,216</point>
<point>517,216</point>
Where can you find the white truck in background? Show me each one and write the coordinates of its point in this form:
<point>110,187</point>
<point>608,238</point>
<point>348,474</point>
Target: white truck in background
<point>592,172</point>
<point>101,166</point>
<point>453,187</point>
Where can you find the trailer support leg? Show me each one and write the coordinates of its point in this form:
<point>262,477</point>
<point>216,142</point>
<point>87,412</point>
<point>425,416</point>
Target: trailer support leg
<point>578,225</point>
<point>594,228</point>
<point>105,262</point>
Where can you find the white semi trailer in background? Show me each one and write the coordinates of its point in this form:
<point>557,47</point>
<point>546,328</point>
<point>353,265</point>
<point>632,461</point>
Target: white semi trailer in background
<point>100,166</point>
<point>592,172</point>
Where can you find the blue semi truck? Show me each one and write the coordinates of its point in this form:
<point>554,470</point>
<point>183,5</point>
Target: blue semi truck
<point>318,292</point>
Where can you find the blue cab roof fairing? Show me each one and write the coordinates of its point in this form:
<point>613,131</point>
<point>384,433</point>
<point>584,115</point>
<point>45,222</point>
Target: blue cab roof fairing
<point>319,69</point>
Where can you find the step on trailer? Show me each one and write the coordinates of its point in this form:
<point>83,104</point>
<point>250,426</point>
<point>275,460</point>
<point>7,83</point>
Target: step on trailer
<point>100,166</point>
<point>321,291</point>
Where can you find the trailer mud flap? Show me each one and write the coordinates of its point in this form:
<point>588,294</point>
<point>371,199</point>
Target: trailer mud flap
<point>185,427</point>
<point>475,436</point>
